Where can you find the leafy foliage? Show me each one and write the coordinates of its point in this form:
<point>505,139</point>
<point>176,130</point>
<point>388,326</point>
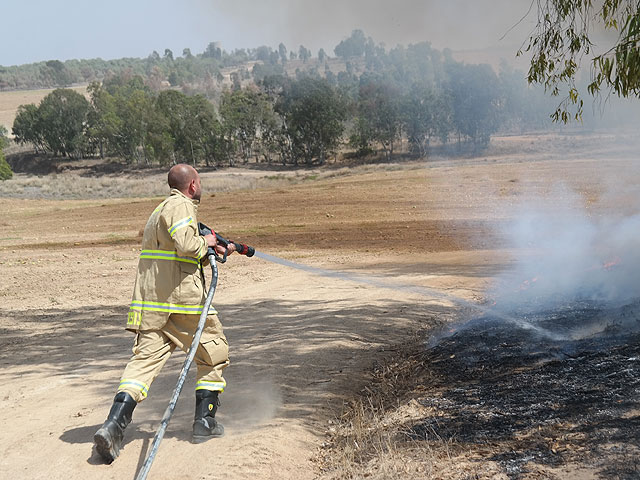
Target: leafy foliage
<point>377,98</point>
<point>426,115</point>
<point>57,125</point>
<point>246,113</point>
<point>563,38</point>
<point>379,116</point>
<point>27,128</point>
<point>353,46</point>
<point>313,115</point>
<point>5,169</point>
<point>474,100</point>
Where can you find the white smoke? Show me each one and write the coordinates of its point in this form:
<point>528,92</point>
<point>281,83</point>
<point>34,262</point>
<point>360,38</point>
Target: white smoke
<point>566,252</point>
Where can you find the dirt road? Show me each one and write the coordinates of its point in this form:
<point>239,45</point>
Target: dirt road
<point>300,344</point>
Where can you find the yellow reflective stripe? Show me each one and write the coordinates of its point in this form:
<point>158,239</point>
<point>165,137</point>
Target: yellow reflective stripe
<point>215,386</point>
<point>141,305</point>
<point>166,255</point>
<point>135,385</point>
<point>165,307</point>
<point>179,224</point>
<point>134,318</point>
<point>161,205</point>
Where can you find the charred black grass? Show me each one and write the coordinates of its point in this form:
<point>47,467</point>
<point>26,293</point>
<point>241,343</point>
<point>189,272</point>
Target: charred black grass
<point>495,393</point>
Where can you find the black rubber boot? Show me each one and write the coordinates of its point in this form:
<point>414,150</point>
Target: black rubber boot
<point>108,439</point>
<point>205,426</point>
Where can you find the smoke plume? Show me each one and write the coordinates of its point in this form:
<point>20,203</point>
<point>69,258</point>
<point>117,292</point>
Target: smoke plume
<point>569,253</point>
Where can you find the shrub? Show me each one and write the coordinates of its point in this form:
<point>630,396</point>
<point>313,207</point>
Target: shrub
<point>5,169</point>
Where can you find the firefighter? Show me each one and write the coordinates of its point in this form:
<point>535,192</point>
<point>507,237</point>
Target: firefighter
<point>167,302</point>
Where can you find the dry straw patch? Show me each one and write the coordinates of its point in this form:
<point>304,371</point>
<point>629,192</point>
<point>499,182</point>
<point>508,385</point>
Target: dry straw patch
<point>371,438</point>
<point>72,186</point>
<point>142,184</point>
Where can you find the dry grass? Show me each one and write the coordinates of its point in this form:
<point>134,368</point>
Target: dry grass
<point>371,439</point>
<point>71,185</point>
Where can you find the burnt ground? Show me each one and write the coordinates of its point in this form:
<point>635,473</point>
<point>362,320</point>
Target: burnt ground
<point>541,401</point>
<point>509,401</point>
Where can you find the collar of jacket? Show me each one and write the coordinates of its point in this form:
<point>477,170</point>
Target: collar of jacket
<point>175,191</point>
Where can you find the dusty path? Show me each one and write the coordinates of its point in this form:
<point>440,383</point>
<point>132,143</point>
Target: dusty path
<point>300,344</point>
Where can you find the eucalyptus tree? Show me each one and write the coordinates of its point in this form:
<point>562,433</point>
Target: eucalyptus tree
<point>313,116</point>
<point>564,36</point>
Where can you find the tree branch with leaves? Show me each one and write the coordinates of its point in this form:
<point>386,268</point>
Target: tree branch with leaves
<point>563,36</point>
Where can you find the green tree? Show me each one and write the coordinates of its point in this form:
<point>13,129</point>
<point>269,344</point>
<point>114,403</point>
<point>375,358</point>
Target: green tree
<point>313,114</point>
<point>137,114</point>
<point>133,106</point>
<point>5,169</point>
<point>263,53</point>
<point>322,55</point>
<point>282,52</point>
<point>353,46</point>
<point>62,118</point>
<point>58,125</point>
<point>426,115</point>
<point>474,96</point>
<point>562,38</point>
<point>361,137</point>
<point>104,124</point>
<point>243,112</point>
<point>174,78</point>
<point>523,106</point>
<point>304,53</point>
<point>55,73</point>
<point>205,134</point>
<point>379,116</point>
<point>212,51</point>
<point>187,126</point>
<point>26,127</point>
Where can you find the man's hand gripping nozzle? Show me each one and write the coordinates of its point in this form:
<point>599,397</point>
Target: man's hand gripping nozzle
<point>241,248</point>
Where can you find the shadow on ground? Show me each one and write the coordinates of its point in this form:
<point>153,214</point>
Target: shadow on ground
<point>289,359</point>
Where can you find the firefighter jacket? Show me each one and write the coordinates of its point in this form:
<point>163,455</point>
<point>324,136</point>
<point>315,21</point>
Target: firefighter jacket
<point>170,278</point>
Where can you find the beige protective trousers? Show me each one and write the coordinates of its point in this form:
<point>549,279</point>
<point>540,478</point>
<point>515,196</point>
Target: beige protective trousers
<point>152,349</point>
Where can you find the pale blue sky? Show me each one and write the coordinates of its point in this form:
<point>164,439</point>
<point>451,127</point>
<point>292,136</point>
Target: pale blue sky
<point>36,30</point>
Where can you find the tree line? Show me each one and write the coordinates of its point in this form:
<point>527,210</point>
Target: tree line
<point>415,96</point>
<point>192,71</point>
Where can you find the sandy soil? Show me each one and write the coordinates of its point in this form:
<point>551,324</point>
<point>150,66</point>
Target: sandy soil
<point>301,345</point>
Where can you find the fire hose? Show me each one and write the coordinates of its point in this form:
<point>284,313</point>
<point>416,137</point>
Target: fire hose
<point>213,258</point>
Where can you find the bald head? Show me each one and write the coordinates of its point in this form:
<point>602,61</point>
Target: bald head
<point>185,178</point>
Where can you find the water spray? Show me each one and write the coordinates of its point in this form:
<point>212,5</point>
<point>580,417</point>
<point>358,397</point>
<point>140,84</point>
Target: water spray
<point>243,249</point>
<point>423,291</point>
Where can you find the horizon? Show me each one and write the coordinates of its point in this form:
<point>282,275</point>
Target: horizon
<point>147,27</point>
